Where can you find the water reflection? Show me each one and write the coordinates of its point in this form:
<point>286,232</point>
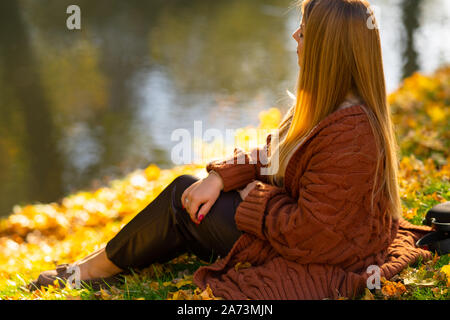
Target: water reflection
<point>410,18</point>
<point>27,126</point>
<point>77,108</point>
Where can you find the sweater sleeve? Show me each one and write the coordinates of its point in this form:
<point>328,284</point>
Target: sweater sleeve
<point>240,169</point>
<point>330,208</point>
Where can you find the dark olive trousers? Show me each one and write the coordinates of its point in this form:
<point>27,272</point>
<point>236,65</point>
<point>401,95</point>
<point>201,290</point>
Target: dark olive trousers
<point>164,230</point>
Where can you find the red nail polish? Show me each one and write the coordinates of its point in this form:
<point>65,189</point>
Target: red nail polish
<point>200,218</point>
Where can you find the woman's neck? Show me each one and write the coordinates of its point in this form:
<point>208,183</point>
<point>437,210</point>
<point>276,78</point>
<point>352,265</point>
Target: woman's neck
<point>350,100</point>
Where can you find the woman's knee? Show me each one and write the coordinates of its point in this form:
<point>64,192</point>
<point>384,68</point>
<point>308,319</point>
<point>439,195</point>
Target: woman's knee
<point>185,180</point>
<point>181,183</point>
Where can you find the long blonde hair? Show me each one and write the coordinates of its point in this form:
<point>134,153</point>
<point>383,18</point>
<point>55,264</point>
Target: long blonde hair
<point>341,54</point>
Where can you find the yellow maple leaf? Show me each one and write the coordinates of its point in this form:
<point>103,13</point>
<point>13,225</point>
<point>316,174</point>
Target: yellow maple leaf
<point>105,295</point>
<point>182,282</point>
<point>180,295</point>
<point>436,113</point>
<point>152,172</point>
<point>393,289</point>
<point>368,295</point>
<point>446,270</point>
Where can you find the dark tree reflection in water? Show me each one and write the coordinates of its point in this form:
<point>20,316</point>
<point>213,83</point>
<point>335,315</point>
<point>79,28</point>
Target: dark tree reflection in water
<point>411,15</point>
<point>26,112</point>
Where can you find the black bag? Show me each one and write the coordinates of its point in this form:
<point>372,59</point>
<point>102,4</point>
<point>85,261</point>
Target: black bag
<point>438,240</point>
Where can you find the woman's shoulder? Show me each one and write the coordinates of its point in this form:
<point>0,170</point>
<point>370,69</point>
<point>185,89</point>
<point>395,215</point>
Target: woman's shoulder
<point>343,141</point>
<point>346,131</point>
<point>343,123</point>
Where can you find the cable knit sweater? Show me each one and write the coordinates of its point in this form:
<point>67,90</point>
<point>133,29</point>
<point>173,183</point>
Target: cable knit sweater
<point>315,237</point>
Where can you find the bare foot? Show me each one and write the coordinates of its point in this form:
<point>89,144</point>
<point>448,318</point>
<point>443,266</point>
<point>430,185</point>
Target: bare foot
<point>96,265</point>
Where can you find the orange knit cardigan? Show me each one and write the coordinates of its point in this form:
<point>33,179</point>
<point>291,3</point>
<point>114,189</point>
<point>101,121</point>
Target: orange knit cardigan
<point>315,237</point>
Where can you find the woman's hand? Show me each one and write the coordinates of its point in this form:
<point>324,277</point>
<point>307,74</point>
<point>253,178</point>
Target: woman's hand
<point>202,193</point>
<point>244,192</point>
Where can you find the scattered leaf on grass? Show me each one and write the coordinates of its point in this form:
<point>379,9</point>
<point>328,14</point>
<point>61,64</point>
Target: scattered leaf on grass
<point>393,289</point>
<point>368,295</point>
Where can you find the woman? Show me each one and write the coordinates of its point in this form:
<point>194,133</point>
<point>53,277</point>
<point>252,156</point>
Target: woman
<point>310,230</point>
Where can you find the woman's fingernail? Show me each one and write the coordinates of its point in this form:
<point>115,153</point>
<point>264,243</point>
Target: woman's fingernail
<point>200,217</point>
